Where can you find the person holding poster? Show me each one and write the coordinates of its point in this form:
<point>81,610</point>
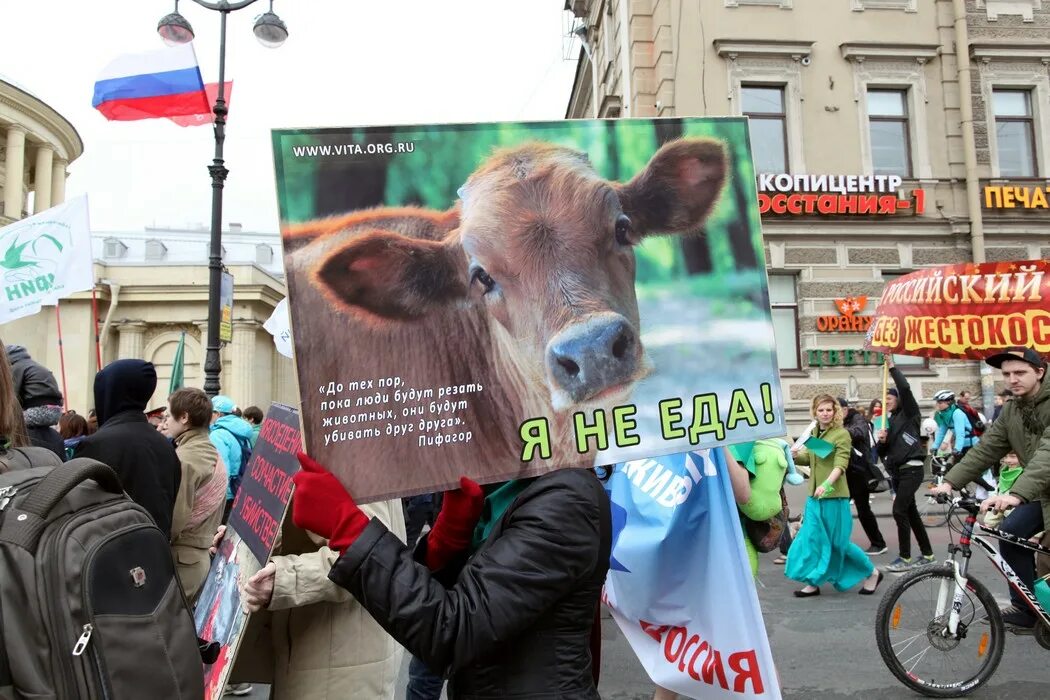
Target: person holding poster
<point>900,447</point>
<point>822,552</point>
<point>318,641</point>
<point>513,619</point>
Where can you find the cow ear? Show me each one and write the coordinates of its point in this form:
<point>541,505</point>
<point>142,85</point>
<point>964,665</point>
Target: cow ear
<point>677,189</point>
<point>393,276</point>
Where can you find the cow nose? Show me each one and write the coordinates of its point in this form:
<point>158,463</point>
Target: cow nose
<point>596,354</point>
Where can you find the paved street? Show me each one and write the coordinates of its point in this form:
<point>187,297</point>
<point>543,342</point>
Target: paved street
<point>824,647</point>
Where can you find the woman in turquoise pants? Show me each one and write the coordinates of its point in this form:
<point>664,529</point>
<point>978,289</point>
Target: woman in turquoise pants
<point>822,551</point>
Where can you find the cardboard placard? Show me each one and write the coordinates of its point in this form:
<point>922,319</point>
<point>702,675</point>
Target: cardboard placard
<point>258,511</point>
<point>503,300</point>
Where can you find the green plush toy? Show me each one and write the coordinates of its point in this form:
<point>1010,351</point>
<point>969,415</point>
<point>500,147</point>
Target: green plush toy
<point>768,461</point>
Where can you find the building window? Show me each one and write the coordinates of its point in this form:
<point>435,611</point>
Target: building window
<point>763,105</point>
<point>155,250</point>
<point>888,130</point>
<point>905,362</point>
<point>263,254</point>
<point>1015,132</point>
<point>906,5</point>
<point>114,248</point>
<point>784,303</point>
<point>782,4</point>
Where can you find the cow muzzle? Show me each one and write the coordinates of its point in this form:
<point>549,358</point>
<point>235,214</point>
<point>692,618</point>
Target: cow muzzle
<point>598,355</point>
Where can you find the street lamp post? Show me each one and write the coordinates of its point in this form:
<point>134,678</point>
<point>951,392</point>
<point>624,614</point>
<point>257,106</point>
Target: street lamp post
<point>271,33</point>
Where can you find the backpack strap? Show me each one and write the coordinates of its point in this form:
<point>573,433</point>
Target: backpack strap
<point>24,525</point>
<point>6,680</point>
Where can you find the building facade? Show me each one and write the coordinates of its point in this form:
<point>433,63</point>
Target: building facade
<point>151,287</point>
<point>859,129</point>
<point>36,145</point>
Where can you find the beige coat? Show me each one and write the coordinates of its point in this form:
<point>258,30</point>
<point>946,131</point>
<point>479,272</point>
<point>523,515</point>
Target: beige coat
<point>316,642</point>
<point>198,507</point>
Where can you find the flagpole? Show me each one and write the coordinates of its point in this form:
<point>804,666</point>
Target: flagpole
<point>94,321</point>
<point>885,387</point>
<point>61,358</point>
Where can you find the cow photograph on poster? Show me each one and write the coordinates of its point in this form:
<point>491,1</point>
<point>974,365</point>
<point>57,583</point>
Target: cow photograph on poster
<point>501,300</point>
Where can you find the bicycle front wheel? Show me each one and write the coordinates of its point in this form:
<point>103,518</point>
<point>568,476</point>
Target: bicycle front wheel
<point>911,629</point>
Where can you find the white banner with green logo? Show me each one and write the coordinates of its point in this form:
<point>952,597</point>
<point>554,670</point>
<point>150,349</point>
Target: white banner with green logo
<point>44,258</point>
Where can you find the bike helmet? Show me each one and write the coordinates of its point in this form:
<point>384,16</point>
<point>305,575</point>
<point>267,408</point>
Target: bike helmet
<point>944,395</point>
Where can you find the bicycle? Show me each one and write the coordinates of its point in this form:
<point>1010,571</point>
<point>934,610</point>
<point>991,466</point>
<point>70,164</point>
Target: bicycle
<point>931,512</point>
<point>955,623</point>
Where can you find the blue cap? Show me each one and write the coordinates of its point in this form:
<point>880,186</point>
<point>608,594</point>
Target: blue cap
<point>222,404</point>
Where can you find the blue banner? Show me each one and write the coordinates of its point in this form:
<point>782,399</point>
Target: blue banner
<point>680,584</point>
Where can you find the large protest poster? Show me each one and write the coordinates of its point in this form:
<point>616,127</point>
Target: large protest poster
<point>258,511</point>
<point>500,300</point>
<point>680,586</point>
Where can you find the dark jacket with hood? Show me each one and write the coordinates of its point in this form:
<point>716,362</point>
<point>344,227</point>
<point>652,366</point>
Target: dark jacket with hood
<point>144,459</point>
<point>515,620</point>
<point>860,436</point>
<point>902,435</point>
<point>35,384</point>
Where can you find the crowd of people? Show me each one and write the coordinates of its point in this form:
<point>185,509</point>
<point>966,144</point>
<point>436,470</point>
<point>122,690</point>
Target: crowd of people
<point>495,589</point>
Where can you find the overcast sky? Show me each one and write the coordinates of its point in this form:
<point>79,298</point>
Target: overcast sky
<point>346,63</point>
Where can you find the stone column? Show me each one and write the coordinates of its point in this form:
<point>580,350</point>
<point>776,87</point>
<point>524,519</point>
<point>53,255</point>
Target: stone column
<point>15,163</point>
<point>131,335</point>
<point>240,383</point>
<point>58,181</point>
<point>42,180</point>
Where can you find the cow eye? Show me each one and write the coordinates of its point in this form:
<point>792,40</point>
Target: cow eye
<point>478,274</point>
<point>624,230</point>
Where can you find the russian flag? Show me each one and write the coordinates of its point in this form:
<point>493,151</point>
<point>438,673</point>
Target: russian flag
<point>162,83</point>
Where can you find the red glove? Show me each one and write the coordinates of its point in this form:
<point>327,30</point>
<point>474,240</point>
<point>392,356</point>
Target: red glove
<point>322,506</point>
<point>454,527</point>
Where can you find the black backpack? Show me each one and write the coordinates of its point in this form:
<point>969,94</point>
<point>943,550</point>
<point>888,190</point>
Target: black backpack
<point>977,425</point>
<point>90,606</point>
<point>860,461</point>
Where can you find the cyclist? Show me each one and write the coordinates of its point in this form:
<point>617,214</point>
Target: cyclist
<point>1024,428</point>
<point>950,417</point>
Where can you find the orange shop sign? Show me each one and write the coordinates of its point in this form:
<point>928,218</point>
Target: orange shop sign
<point>849,319</point>
<point>835,195</point>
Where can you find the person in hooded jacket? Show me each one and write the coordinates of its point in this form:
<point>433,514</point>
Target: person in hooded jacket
<point>858,473</point>
<point>144,459</point>
<point>40,398</point>
<point>230,434</point>
<point>503,608</point>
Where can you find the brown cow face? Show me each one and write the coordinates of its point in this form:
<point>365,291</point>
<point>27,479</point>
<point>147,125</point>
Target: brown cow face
<point>545,249</point>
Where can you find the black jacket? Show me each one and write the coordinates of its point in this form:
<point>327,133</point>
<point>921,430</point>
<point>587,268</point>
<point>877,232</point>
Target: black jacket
<point>35,385</point>
<point>47,437</point>
<point>516,620</point>
<point>902,439</point>
<point>144,459</point>
<point>860,435</point>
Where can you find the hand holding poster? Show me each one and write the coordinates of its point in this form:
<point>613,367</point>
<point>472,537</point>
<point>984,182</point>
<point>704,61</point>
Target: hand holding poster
<point>965,311</point>
<point>258,511</point>
<point>501,300</point>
